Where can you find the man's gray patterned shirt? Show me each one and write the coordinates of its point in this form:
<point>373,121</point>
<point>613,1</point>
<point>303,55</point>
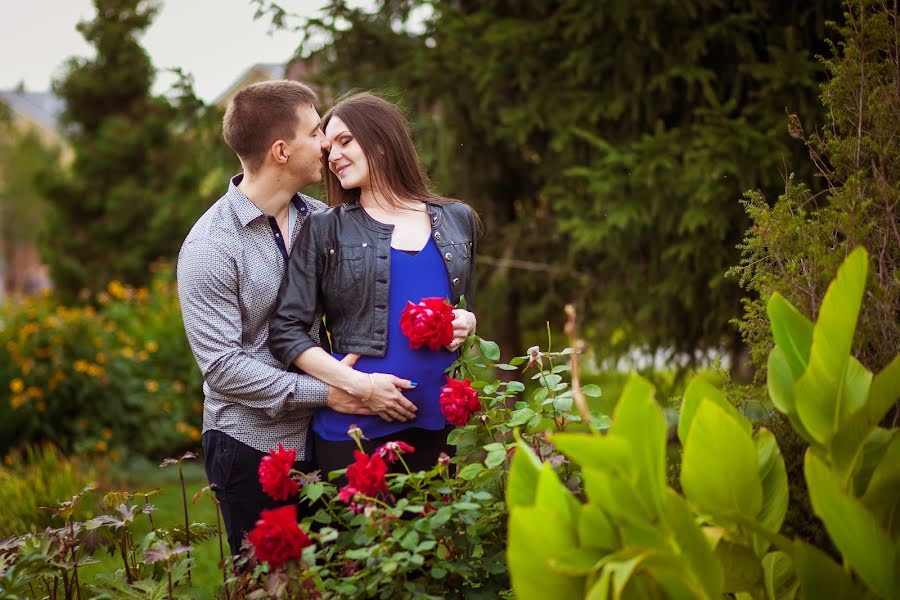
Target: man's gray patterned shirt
<point>229,270</point>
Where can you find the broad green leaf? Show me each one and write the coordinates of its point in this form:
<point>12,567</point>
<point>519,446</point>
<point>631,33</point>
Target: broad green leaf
<point>694,546</point>
<point>578,562</point>
<point>618,497</point>
<point>495,458</point>
<point>774,479</point>
<point>868,458</point>
<point>882,496</point>
<point>719,464</point>
<point>741,567</point>
<point>822,397</point>
<point>596,530</point>
<point>779,576</point>
<point>592,390</point>
<point>883,393</point>
<point>780,382</point>
<point>617,571</point>
<point>697,390</point>
<point>821,577</point>
<point>792,332</point>
<point>639,419</point>
<point>470,472</point>
<point>489,350</point>
<point>537,535</point>
<point>863,544</point>
<point>552,495</point>
<point>521,485</point>
<point>607,453</point>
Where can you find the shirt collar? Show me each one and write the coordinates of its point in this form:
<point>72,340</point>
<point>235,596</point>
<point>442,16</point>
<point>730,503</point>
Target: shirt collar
<point>246,210</point>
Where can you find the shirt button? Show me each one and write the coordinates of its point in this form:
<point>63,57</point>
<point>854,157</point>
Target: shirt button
<point>448,256</point>
<point>365,245</point>
<point>437,235</point>
<point>456,281</point>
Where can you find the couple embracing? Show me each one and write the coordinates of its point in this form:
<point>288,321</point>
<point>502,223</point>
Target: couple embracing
<point>293,309</point>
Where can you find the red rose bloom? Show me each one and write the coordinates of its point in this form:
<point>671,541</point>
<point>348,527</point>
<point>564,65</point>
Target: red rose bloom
<point>277,538</point>
<point>458,401</point>
<point>428,323</point>
<point>391,451</point>
<point>274,473</point>
<point>367,474</point>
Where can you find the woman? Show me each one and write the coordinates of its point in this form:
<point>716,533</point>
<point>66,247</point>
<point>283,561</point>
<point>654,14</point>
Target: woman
<point>386,241</point>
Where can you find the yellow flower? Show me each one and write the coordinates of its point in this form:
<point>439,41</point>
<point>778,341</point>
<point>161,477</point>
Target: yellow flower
<point>100,358</point>
<point>106,432</point>
<point>167,406</point>
<point>128,352</point>
<point>181,427</point>
<point>114,456</point>
<point>195,433</point>
<point>26,367</point>
<point>198,407</point>
<point>151,386</point>
<point>151,346</point>
<point>41,406</point>
<point>95,371</point>
<point>142,355</point>
<point>117,290</point>
<point>17,386</point>
<point>81,365</point>
<point>101,446</point>
<point>141,293</point>
<point>17,401</point>
<point>9,459</point>
<point>35,392</point>
<point>178,387</point>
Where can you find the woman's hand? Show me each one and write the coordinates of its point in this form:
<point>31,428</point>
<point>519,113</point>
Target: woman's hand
<point>382,393</point>
<point>464,323</point>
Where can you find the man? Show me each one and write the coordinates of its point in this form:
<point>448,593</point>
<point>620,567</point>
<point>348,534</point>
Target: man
<point>229,271</point>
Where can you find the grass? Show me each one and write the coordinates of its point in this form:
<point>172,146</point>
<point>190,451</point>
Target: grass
<point>144,476</point>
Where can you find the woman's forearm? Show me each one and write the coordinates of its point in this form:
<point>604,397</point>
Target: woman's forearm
<point>321,365</point>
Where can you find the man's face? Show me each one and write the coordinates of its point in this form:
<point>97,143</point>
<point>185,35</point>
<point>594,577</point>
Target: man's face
<point>305,150</point>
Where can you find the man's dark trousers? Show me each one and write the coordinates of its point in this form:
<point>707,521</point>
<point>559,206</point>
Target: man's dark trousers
<point>232,469</point>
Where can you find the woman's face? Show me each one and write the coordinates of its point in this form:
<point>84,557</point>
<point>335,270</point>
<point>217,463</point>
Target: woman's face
<point>346,159</point>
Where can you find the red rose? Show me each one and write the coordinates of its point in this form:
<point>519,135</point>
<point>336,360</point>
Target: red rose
<point>277,538</point>
<point>428,323</point>
<point>458,401</point>
<point>391,451</point>
<point>367,474</point>
<point>274,473</point>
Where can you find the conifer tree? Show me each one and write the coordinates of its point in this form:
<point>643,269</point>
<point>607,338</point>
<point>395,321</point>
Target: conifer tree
<point>131,192</point>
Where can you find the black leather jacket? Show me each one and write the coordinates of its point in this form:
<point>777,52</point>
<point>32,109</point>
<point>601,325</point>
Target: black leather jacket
<point>341,267</point>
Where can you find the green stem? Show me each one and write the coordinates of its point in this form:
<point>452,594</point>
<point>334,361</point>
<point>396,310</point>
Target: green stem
<point>187,526</point>
<point>122,548</point>
<point>221,549</point>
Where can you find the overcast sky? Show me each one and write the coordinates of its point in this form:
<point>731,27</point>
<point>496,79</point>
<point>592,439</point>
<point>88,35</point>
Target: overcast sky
<point>215,40</point>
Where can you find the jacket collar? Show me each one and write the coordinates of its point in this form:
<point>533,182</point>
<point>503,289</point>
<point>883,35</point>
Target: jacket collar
<point>435,211</point>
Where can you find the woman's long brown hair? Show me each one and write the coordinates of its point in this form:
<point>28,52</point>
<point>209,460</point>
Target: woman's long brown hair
<point>382,132</point>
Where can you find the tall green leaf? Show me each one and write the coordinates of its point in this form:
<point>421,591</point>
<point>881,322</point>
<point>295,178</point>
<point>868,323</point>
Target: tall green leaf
<point>823,399</point>
<point>552,495</point>
<point>694,547</point>
<point>639,419</point>
<point>521,485</point>
<point>719,465</point>
<point>535,536</point>
<point>882,496</point>
<point>821,577</point>
<point>863,544</point>
<point>792,331</point>
<point>774,479</point>
<point>847,442</point>
<point>699,389</point>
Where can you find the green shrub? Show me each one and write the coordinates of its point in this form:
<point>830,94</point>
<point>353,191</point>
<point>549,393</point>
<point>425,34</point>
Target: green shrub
<point>34,478</point>
<point>626,534</point>
<point>113,377</point>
